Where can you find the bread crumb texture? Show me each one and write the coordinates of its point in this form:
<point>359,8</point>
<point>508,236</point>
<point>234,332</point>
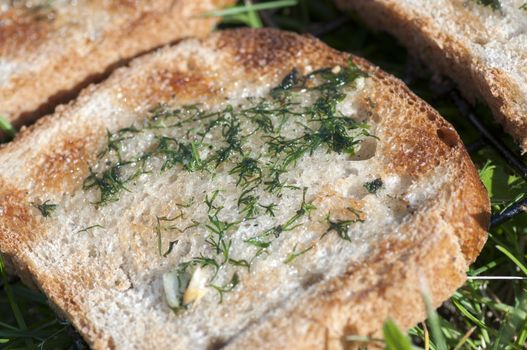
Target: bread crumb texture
<point>252,189</point>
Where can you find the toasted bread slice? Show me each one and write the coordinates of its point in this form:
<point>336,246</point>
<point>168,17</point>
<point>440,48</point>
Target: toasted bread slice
<point>483,48</point>
<point>256,189</point>
<point>50,50</point>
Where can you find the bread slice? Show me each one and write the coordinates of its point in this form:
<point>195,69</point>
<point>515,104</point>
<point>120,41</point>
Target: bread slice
<point>256,189</point>
<point>50,50</point>
<point>481,45</point>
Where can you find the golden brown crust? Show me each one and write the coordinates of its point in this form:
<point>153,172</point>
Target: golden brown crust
<point>436,243</point>
<point>281,51</point>
<point>64,167</point>
<point>451,56</point>
<point>17,222</point>
<point>163,85</point>
<point>21,34</point>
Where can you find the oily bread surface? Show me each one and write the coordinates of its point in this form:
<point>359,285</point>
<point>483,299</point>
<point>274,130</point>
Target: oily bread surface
<point>50,50</point>
<point>106,281</point>
<point>482,49</point>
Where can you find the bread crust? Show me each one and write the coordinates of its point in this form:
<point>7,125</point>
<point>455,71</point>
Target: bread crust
<point>436,243</point>
<point>452,56</point>
<point>57,53</point>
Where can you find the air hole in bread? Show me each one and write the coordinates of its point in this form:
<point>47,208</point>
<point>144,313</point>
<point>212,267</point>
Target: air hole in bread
<point>93,252</point>
<point>366,150</point>
<point>351,171</point>
<point>216,343</point>
<point>184,247</point>
<point>448,136</point>
<point>431,116</point>
<point>312,279</point>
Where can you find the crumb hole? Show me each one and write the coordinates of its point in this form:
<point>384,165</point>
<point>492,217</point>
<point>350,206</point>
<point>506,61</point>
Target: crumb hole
<point>92,252</point>
<point>216,344</point>
<point>351,171</point>
<point>312,279</point>
<point>431,116</point>
<point>448,136</point>
<point>366,150</point>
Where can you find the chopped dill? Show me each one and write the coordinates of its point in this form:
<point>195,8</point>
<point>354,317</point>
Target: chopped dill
<point>373,186</point>
<point>204,262</point>
<point>494,4</point>
<point>187,204</point>
<point>261,115</point>
<point>218,228</point>
<point>239,262</point>
<point>171,246</point>
<point>210,201</point>
<point>326,127</point>
<point>264,239</point>
<point>274,184</point>
<point>159,228</point>
<point>289,81</point>
<point>248,204</point>
<point>115,140</point>
<point>257,242</point>
<point>216,239</point>
<point>112,181</point>
<point>305,208</point>
<point>294,254</point>
<point>248,172</point>
<point>250,144</point>
<point>175,152</point>
<point>341,227</point>
<point>45,209</point>
<point>194,224</point>
<point>228,287</point>
<point>231,133</point>
<point>86,229</point>
<point>269,209</point>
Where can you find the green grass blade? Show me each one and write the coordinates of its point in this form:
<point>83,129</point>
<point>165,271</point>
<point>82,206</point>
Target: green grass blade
<point>254,20</point>
<point>434,324</point>
<point>394,338</point>
<point>468,315</point>
<point>7,128</point>
<point>513,258</point>
<point>512,325</point>
<point>522,336</point>
<point>253,7</point>
<point>490,265</point>
<point>12,302</point>
<point>465,338</point>
<point>8,326</point>
<point>29,294</point>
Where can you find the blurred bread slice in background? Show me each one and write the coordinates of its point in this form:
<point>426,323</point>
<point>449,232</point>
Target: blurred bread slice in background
<point>50,50</point>
<point>481,45</point>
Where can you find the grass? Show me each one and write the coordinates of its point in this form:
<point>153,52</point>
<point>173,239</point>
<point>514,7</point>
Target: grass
<point>488,312</point>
